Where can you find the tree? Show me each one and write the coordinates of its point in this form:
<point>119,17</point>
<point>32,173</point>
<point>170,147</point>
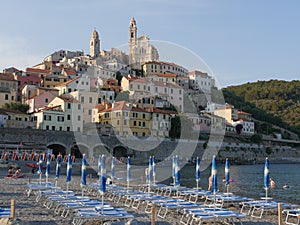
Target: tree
<point>119,77</point>
<point>122,96</point>
<point>16,106</point>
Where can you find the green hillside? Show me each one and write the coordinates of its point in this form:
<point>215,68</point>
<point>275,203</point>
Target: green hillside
<point>274,101</point>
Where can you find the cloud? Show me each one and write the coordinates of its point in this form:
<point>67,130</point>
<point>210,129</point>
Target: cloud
<point>17,52</point>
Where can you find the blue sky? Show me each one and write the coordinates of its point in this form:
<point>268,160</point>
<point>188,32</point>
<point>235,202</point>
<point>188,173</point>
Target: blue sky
<point>240,41</point>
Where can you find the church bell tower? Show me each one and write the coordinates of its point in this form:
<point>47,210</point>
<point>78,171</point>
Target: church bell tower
<point>95,44</point>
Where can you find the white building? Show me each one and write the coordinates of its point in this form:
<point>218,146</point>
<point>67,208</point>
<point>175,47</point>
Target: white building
<point>78,83</point>
<point>73,112</point>
<point>201,81</point>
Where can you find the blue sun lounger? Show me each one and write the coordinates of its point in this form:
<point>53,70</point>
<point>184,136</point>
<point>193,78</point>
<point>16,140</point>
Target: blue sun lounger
<point>204,214</point>
<point>97,213</point>
<point>292,216</point>
<point>4,212</point>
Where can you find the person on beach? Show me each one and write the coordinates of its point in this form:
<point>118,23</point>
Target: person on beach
<point>209,183</point>
<point>272,183</point>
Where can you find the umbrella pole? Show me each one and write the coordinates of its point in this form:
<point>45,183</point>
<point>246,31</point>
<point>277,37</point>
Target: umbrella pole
<point>197,184</point>
<point>55,184</point>
<point>40,178</point>
<point>266,194</point>
<point>102,203</point>
<point>67,188</point>
<point>46,181</point>
<point>227,187</point>
<point>82,191</point>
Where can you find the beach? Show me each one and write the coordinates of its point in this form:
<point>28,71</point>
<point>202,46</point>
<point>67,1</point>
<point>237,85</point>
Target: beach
<point>30,212</point>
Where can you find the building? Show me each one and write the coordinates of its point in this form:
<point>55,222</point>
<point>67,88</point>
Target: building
<point>126,119</point>
<point>228,112</point>
<point>140,49</point>
<point>40,101</point>
<point>95,45</point>
<point>201,123</point>
<point>17,119</point>
<point>161,122</point>
<point>8,89</point>
<point>200,81</point>
<point>78,83</point>
<point>61,54</point>
<point>151,68</point>
<point>73,113</point>
<point>3,118</point>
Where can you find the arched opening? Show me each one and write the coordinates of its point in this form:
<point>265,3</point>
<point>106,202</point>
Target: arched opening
<point>78,150</point>
<point>119,151</point>
<point>101,149</point>
<point>57,148</point>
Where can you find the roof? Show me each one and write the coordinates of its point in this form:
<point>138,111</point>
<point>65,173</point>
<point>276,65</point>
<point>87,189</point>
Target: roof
<point>166,75</point>
<point>66,99</point>
<point>161,111</point>
<point>197,72</point>
<point>123,106</point>
<point>163,63</point>
<point>8,77</point>
<point>68,82</point>
<point>49,108</point>
<point>245,113</point>
<point>34,70</point>
<point>7,111</point>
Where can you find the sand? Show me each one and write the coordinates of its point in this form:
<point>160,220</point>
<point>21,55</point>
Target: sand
<point>30,212</point>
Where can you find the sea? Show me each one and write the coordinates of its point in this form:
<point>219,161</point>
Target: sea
<point>248,180</point>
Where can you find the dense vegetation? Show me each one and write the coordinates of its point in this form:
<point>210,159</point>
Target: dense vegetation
<point>274,101</point>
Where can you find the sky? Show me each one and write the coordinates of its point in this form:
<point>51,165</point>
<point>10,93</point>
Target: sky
<point>238,41</point>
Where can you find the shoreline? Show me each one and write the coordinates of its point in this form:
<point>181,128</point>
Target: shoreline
<point>29,212</point>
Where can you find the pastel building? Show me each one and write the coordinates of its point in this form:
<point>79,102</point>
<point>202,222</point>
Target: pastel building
<point>8,88</point>
<point>200,81</point>
<point>39,101</point>
<point>151,68</point>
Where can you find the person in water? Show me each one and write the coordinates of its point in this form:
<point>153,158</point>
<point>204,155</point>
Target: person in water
<point>272,183</point>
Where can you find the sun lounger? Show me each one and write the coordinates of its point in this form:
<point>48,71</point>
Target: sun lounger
<point>4,212</point>
<point>292,216</point>
<point>102,214</point>
<point>257,208</point>
<point>204,214</point>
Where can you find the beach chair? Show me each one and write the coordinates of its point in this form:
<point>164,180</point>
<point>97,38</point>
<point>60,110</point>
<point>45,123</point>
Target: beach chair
<point>292,216</point>
<point>4,212</point>
<point>102,214</point>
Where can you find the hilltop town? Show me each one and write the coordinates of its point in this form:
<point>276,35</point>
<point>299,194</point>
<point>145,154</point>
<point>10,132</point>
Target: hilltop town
<point>132,94</point>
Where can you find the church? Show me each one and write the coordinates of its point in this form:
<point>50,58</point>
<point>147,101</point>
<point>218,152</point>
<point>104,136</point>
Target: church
<point>140,49</point>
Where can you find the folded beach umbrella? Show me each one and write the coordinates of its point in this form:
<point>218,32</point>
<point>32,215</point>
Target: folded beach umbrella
<point>197,175</point>
<point>173,169</point>
<point>57,170</point>
<point>150,172</point>
<point>177,172</point>
<point>103,175</point>
<point>103,180</point>
<point>227,174</point>
<point>99,165</point>
<point>267,176</point>
<point>69,172</point>
<point>83,174</point>
<point>128,172</point>
<point>112,169</point>
<point>40,164</point>
<point>47,168</point>
<point>154,169</point>
<point>214,175</point>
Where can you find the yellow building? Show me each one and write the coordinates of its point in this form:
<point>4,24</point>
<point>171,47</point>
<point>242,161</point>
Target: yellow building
<point>126,119</point>
<point>8,89</point>
<point>52,80</point>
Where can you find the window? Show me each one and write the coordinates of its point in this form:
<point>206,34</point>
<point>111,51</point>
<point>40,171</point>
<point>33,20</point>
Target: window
<point>125,122</point>
<point>82,99</point>
<point>140,123</point>
<point>144,134</point>
<point>90,100</point>
<point>69,90</point>
<point>68,117</point>
<point>60,128</point>
<point>47,127</point>
<point>134,123</point>
<point>134,115</point>
<point>144,115</point>
<point>78,129</point>
<point>144,124</point>
<point>118,122</point>
<point>46,100</point>
<point>68,128</point>
<point>79,106</point>
<point>79,118</point>
<point>69,106</point>
<point>90,112</point>
<point>60,119</point>
<point>6,96</point>
<point>53,127</point>
<point>47,117</point>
